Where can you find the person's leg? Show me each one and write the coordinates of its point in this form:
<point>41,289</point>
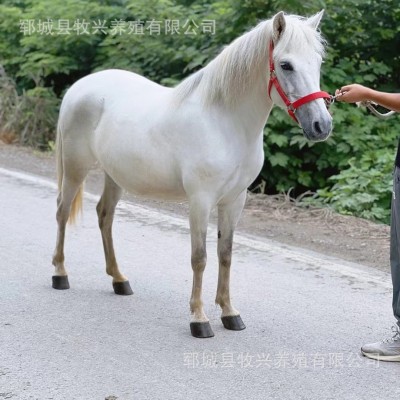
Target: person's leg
<point>395,244</point>
<point>389,349</point>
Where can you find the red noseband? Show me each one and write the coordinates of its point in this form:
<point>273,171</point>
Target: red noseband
<point>291,106</point>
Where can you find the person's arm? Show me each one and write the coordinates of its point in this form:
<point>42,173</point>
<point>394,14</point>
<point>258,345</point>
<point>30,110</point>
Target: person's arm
<point>355,93</point>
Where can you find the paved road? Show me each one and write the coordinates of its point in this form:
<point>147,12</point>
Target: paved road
<point>306,314</point>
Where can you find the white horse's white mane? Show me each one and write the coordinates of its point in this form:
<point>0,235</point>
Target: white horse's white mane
<point>226,77</point>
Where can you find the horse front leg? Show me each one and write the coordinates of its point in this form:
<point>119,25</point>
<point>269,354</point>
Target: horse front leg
<point>228,216</point>
<point>199,215</point>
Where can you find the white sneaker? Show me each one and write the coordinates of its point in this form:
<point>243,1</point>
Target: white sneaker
<point>387,350</point>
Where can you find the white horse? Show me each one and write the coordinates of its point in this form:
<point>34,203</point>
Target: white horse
<point>201,141</point>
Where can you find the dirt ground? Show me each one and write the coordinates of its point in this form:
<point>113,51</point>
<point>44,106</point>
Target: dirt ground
<point>277,218</point>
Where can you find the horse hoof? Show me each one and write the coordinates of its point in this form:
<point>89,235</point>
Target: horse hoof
<point>201,330</point>
<point>122,288</point>
<point>233,323</point>
<point>60,282</point>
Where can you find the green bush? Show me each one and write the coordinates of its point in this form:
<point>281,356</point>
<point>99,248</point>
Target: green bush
<point>31,115</point>
<point>363,189</point>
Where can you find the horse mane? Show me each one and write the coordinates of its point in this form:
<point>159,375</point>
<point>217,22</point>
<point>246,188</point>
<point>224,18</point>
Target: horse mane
<point>238,65</point>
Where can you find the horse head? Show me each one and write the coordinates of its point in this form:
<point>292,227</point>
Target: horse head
<point>296,53</point>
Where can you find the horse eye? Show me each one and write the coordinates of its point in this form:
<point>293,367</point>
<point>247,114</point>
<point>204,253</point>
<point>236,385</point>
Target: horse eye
<point>286,66</point>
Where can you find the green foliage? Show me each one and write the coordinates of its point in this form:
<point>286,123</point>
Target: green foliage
<point>349,172</point>
<point>363,189</point>
<point>31,115</point>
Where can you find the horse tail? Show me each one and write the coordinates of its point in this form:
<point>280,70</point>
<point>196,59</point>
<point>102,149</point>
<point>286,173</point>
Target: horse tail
<point>59,157</point>
<point>77,202</point>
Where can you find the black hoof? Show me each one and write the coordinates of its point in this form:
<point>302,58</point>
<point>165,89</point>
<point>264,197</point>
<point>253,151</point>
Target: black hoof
<point>60,282</point>
<point>233,323</point>
<point>201,330</point>
<point>122,288</point>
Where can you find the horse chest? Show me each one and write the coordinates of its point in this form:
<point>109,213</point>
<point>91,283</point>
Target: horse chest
<point>230,177</point>
<point>244,174</point>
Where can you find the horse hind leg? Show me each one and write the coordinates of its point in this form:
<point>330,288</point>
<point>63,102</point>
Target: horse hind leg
<point>69,198</point>
<point>105,212</point>
<point>74,160</point>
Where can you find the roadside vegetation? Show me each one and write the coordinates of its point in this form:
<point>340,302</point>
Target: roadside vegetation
<point>46,45</point>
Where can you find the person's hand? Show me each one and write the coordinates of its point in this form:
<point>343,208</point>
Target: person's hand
<point>353,93</point>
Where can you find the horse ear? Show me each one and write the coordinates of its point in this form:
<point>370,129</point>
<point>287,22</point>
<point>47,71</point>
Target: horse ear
<point>315,20</point>
<point>278,25</point>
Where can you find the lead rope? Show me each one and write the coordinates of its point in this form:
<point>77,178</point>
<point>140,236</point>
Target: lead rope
<point>370,105</point>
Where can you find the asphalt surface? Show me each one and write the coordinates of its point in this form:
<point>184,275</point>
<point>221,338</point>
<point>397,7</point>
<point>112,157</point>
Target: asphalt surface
<point>306,314</point>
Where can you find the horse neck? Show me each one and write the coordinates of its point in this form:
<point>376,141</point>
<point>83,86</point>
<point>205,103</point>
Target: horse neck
<point>250,110</point>
<point>238,79</point>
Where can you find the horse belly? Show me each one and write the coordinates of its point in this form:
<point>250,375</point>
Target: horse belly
<point>136,175</point>
<point>154,189</point>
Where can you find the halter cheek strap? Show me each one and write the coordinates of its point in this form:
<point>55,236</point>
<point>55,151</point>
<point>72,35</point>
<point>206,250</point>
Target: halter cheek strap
<point>291,106</point>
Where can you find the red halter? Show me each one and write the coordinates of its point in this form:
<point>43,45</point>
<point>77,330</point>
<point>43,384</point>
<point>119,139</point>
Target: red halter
<point>291,107</point>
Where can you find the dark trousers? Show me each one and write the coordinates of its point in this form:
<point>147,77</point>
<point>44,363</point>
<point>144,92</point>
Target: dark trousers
<point>395,244</point>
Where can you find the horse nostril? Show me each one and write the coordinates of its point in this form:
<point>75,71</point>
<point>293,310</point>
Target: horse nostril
<point>317,127</point>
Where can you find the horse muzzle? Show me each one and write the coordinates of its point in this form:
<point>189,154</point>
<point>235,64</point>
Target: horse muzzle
<point>318,130</point>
